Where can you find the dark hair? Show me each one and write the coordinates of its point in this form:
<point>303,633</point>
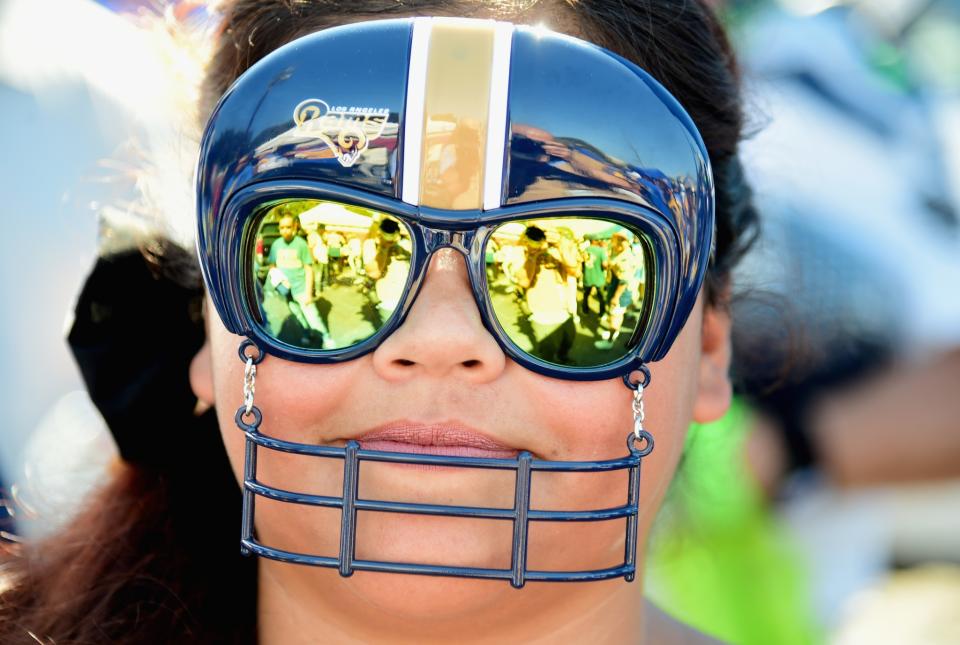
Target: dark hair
<point>144,563</point>
<point>534,233</point>
<point>389,226</point>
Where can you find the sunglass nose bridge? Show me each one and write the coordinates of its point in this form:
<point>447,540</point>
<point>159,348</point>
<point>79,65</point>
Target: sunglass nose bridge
<point>439,238</point>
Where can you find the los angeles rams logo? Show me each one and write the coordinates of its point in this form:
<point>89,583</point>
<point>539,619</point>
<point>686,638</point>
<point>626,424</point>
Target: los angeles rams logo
<point>346,130</point>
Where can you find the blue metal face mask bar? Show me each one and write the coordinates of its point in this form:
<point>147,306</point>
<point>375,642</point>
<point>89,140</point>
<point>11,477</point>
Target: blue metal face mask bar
<point>249,418</point>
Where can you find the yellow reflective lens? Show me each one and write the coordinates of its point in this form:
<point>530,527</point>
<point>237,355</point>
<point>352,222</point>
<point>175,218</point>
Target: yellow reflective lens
<point>568,290</point>
<point>327,275</point>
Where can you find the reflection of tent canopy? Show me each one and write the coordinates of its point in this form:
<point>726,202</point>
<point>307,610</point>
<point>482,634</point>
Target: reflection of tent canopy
<point>335,216</point>
<point>511,229</point>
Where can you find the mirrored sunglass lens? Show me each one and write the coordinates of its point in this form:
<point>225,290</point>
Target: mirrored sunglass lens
<point>567,290</point>
<point>327,275</point>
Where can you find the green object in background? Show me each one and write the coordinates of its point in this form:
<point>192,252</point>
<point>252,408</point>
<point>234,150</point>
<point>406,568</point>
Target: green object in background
<point>717,559</point>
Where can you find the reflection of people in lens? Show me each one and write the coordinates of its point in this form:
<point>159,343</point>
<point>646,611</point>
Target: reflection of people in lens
<point>595,276</point>
<point>571,260</point>
<point>490,261</point>
<point>386,262</point>
<point>335,255</point>
<point>321,258</point>
<point>291,276</point>
<point>545,293</point>
<point>639,274</point>
<point>621,289</point>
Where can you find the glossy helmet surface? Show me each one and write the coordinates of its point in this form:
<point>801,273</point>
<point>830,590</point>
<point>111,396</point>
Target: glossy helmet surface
<point>374,113</point>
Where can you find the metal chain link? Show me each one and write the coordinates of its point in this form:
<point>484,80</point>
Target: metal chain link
<point>249,384</point>
<point>638,412</point>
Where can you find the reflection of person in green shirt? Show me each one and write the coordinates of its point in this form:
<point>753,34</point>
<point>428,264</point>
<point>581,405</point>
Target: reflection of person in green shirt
<point>595,275</point>
<point>292,256</point>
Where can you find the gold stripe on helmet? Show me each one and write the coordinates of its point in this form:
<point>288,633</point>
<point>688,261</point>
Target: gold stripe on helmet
<point>455,115</point>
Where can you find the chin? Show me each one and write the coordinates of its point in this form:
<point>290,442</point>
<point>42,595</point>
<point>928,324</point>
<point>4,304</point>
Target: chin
<point>428,599</point>
<point>455,541</point>
<point>393,537</point>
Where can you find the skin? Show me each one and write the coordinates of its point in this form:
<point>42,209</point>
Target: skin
<point>287,228</point>
<point>443,367</point>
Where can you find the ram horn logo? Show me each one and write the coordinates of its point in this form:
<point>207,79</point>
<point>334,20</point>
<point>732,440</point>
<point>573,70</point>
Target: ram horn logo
<point>345,129</point>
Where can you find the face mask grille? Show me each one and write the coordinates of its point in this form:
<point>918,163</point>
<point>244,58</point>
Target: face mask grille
<point>249,421</point>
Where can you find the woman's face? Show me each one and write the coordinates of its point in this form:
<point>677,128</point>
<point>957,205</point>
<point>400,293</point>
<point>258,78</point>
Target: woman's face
<point>441,372</point>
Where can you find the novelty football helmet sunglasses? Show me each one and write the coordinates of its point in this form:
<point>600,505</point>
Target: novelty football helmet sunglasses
<point>342,161</point>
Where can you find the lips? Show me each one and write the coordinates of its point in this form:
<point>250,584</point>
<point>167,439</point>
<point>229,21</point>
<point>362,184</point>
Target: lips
<point>434,439</point>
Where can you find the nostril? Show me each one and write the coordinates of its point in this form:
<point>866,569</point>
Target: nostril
<point>404,362</point>
<point>471,363</point>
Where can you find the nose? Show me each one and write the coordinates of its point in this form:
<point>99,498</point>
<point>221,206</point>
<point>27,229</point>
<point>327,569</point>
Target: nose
<point>443,335</point>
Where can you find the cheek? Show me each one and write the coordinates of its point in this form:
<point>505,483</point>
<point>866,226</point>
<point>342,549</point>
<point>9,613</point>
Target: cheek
<point>586,421</point>
<point>294,400</point>
<point>669,402</point>
<point>592,421</point>
<point>227,388</point>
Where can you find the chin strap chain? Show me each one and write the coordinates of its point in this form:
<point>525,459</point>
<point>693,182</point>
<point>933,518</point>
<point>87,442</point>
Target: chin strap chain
<point>640,434</point>
<point>249,373</point>
<point>249,384</point>
<point>638,412</point>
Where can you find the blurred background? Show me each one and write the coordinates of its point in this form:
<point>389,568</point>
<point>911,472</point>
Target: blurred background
<point>825,508</point>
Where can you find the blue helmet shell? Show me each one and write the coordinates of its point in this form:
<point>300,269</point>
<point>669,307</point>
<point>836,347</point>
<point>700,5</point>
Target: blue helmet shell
<point>625,140</point>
